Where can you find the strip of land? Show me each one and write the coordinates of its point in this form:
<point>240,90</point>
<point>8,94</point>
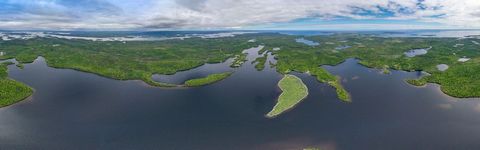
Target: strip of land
<point>293,91</point>
<point>212,78</point>
<point>341,92</point>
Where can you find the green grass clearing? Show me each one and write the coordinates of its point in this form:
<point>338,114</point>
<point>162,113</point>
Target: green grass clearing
<point>212,78</point>
<point>293,91</point>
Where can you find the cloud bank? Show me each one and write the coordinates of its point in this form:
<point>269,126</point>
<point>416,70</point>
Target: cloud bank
<point>232,14</point>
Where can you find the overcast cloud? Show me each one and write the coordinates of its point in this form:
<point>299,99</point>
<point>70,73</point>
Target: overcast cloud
<point>237,14</point>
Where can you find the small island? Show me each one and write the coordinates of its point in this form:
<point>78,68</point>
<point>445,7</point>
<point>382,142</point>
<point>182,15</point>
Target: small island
<point>260,62</point>
<point>11,91</point>
<point>293,91</point>
<point>212,78</point>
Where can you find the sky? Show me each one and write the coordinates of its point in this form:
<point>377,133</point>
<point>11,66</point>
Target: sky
<point>238,14</point>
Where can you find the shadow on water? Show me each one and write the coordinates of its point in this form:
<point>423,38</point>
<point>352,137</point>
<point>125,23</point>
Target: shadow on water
<point>76,110</point>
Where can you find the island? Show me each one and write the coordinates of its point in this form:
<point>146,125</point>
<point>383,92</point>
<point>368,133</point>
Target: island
<point>293,91</point>
<point>212,78</point>
<point>11,91</point>
<point>260,62</point>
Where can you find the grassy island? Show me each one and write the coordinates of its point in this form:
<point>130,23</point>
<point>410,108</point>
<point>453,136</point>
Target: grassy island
<point>293,91</point>
<point>11,91</point>
<point>207,80</point>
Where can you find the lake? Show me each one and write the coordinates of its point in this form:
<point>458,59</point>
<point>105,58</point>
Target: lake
<point>77,110</point>
<point>306,42</point>
<point>417,52</point>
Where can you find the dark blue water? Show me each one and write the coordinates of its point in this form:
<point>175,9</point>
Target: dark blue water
<point>76,110</point>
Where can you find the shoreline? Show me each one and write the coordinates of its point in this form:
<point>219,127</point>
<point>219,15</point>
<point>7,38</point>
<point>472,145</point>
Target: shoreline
<point>409,71</point>
<point>291,108</point>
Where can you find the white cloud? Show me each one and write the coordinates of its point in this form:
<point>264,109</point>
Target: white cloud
<point>232,13</point>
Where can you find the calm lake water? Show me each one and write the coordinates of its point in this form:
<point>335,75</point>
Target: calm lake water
<point>417,52</point>
<point>307,42</point>
<point>76,110</point>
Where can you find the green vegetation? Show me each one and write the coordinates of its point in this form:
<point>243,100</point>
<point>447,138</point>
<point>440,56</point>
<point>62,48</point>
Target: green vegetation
<point>212,78</point>
<point>11,91</point>
<point>300,57</point>
<point>135,60</point>
<point>341,92</point>
<point>416,82</point>
<point>20,65</point>
<point>4,66</point>
<point>260,62</point>
<point>293,91</point>
<point>141,59</point>
<point>4,69</point>
<point>239,60</point>
<point>460,80</point>
<point>385,70</point>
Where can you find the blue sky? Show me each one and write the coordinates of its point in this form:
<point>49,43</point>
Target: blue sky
<point>238,14</point>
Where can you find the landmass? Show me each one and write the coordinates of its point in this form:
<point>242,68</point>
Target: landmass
<point>212,78</point>
<point>138,60</point>
<point>341,92</point>
<point>135,60</point>
<point>260,62</point>
<point>460,80</point>
<point>293,91</point>
<point>239,60</point>
<point>11,91</point>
